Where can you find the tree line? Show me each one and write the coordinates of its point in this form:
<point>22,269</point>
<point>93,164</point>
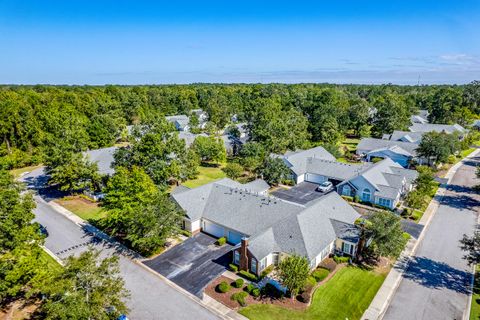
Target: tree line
<point>37,120</point>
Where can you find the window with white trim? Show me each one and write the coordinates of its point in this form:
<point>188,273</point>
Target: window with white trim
<point>366,195</point>
<point>347,191</point>
<point>384,202</point>
<point>347,248</point>
<point>236,257</point>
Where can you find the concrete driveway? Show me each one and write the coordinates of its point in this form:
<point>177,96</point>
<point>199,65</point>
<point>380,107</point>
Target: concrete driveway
<point>302,193</point>
<point>193,263</point>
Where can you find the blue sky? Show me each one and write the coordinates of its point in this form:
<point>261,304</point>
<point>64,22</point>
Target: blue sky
<point>152,42</point>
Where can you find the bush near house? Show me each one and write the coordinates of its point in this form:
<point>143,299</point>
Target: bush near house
<point>348,198</point>
<point>221,241</point>
<point>240,298</point>
<point>255,293</point>
<point>247,275</point>
<point>233,267</point>
<point>320,274</point>
<point>249,288</point>
<point>339,259</point>
<point>266,271</point>
<point>223,287</point>
<point>238,283</point>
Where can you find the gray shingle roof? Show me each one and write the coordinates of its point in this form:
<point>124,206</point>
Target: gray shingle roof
<point>369,144</point>
<point>346,231</point>
<point>430,127</point>
<point>334,169</point>
<point>414,137</point>
<point>104,159</point>
<point>297,160</point>
<point>272,224</point>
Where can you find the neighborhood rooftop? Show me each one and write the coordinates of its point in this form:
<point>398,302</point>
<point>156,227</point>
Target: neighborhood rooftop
<point>433,127</point>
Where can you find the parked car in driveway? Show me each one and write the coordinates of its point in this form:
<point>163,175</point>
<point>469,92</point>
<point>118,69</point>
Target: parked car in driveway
<point>325,186</point>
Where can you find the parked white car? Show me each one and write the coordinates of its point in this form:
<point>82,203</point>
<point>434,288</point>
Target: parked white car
<point>325,186</point>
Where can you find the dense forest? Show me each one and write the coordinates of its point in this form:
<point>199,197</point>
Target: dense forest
<point>37,120</point>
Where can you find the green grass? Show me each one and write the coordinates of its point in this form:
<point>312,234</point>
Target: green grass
<point>417,215</point>
<point>347,295</point>
<point>475,310</point>
<point>206,175</point>
<point>49,262</point>
<point>17,172</point>
<point>350,143</point>
<point>83,208</point>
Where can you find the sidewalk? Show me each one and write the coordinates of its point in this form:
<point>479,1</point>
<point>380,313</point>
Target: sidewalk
<point>382,299</point>
<point>208,302</point>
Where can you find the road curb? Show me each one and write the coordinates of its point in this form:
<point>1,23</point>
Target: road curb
<point>382,299</point>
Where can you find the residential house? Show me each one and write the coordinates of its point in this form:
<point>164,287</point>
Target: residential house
<point>296,162</point>
<point>387,181</point>
<point>421,117</point>
<point>104,159</point>
<point>265,229</point>
<point>433,127</point>
<point>384,184</point>
<point>476,124</point>
<point>404,136</point>
<point>399,151</point>
<point>181,122</point>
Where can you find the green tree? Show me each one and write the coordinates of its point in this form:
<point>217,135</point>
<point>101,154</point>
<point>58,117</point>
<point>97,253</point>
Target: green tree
<point>128,187</point>
<point>293,272</point>
<point>21,266</point>
<point>152,224</point>
<point>274,170</point>
<point>87,288</point>
<point>233,170</point>
<point>209,148</point>
<point>277,129</point>
<point>77,173</point>
<point>156,148</point>
<point>391,113</point>
<point>446,102</point>
<point>438,146</point>
<point>359,115</point>
<point>252,155</point>
<point>385,231</point>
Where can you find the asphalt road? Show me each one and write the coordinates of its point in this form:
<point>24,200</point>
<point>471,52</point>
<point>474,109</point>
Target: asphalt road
<point>151,297</point>
<point>436,284</point>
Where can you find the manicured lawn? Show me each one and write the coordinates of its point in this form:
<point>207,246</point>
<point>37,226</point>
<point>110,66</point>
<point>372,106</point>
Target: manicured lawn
<point>347,295</point>
<point>206,175</point>
<point>351,143</point>
<point>48,261</point>
<point>475,310</point>
<point>83,208</point>
<point>17,172</point>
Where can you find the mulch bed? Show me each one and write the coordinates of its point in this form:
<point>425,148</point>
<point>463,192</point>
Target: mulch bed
<point>224,298</point>
<point>285,302</point>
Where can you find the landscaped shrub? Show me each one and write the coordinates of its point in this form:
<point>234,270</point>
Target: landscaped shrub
<point>223,287</point>
<point>186,233</point>
<point>348,198</point>
<point>306,295</point>
<point>266,271</point>
<point>247,275</point>
<point>255,293</point>
<point>329,264</point>
<point>320,274</point>
<point>406,236</point>
<point>249,288</point>
<point>339,259</point>
<point>238,283</point>
<point>311,281</point>
<point>356,199</point>
<point>233,267</point>
<point>221,241</point>
<point>240,297</point>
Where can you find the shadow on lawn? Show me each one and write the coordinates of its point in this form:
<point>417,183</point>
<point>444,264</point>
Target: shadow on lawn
<point>437,275</point>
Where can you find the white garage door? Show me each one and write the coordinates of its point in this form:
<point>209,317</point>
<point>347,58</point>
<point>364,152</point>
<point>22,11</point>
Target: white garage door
<point>213,229</point>
<point>315,178</point>
<point>234,237</point>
